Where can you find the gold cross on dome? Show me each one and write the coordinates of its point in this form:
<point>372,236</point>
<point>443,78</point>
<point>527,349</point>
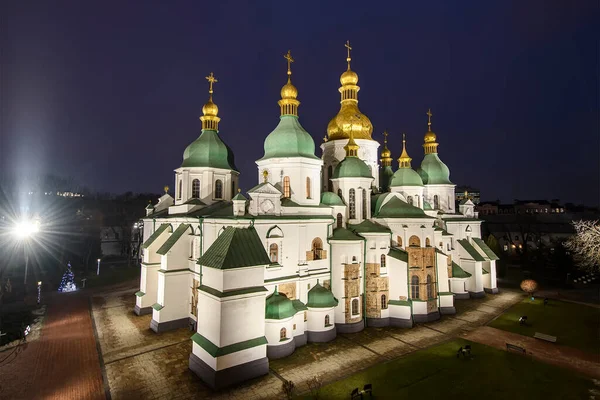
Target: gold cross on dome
<point>290,60</point>
<point>211,79</point>
<point>347,45</point>
<point>429,114</point>
<point>385,135</point>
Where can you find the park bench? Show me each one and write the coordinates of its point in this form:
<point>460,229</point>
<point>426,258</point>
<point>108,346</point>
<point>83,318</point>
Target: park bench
<point>358,394</point>
<point>515,348</point>
<point>545,337</point>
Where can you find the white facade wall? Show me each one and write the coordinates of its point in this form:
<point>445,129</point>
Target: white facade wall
<point>398,279</point>
<point>230,360</point>
<point>334,153</point>
<point>316,319</point>
<point>360,186</point>
<point>416,192</point>
<point>174,300</point>
<point>273,329</point>
<point>442,273</point>
<point>400,312</point>
<point>148,285</point>
<point>458,286</point>
<point>419,307</point>
<point>298,169</point>
<point>445,195</point>
<point>207,177</point>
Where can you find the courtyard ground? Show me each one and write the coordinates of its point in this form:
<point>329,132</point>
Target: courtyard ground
<point>574,325</point>
<point>436,372</point>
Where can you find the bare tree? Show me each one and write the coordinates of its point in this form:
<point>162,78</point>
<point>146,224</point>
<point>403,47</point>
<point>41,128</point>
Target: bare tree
<point>585,245</point>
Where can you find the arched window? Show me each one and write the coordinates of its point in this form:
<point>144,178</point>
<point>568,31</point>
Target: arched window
<point>436,202</point>
<point>429,287</point>
<point>329,175</point>
<point>383,261</point>
<point>353,259</point>
<point>179,190</point>
<point>196,188</point>
<point>218,189</point>
<point>327,320</point>
<point>274,252</point>
<point>409,200</point>
<point>414,287</point>
<point>317,248</point>
<point>339,220</point>
<point>282,334</point>
<point>399,240</point>
<point>427,242</point>
<point>355,307</point>
<point>414,241</point>
<point>383,302</point>
<point>441,245</point>
<point>352,204</point>
<point>286,187</point>
<point>340,194</point>
<point>364,204</point>
<point>307,187</point>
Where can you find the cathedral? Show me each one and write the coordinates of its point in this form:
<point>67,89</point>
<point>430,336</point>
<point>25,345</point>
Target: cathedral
<point>320,246</point>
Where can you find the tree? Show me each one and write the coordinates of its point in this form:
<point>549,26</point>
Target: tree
<point>585,245</point>
<point>288,389</point>
<point>492,243</point>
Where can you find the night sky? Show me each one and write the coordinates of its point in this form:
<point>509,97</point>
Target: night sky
<point>109,92</point>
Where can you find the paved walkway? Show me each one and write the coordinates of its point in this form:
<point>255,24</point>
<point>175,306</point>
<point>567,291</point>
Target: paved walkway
<point>63,363</point>
<point>551,353</point>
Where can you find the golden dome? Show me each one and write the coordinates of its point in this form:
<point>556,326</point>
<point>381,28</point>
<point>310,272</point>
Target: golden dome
<point>386,153</point>
<point>350,120</point>
<point>289,91</point>
<point>210,108</point>
<point>430,137</point>
<point>349,77</point>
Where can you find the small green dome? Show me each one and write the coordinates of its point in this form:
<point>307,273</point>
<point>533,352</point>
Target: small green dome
<point>352,167</point>
<point>396,208</point>
<point>319,297</point>
<point>278,306</point>
<point>331,199</point>
<point>406,177</point>
<point>208,151</point>
<point>433,171</point>
<point>289,139</point>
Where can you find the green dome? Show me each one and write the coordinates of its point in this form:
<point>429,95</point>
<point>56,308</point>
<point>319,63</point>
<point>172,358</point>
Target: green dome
<point>289,139</point>
<point>331,199</point>
<point>319,297</point>
<point>427,206</point>
<point>385,177</point>
<point>278,306</point>
<point>352,167</point>
<point>396,208</point>
<point>434,171</point>
<point>406,177</point>
<point>208,151</point>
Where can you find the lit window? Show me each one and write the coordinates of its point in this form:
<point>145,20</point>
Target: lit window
<point>414,287</point>
<point>352,204</point>
<point>282,334</point>
<point>317,248</point>
<point>274,253</point>
<point>286,187</point>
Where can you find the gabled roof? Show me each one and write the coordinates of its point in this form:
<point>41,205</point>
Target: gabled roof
<point>235,248</point>
<point>486,249</point>
<point>239,196</point>
<point>458,272</point>
<point>471,250</point>
<point>170,242</point>
<point>195,201</point>
<point>155,235</point>
<point>398,254</point>
<point>265,187</point>
<point>368,226</point>
<point>344,234</point>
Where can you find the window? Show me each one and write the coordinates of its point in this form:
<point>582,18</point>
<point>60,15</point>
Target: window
<point>308,286</point>
<point>399,240</point>
<point>364,204</point>
<point>355,307</point>
<point>282,333</point>
<point>327,320</point>
<point>414,287</point>
<point>274,253</point>
<point>353,259</point>
<point>196,188</point>
<point>430,294</point>
<point>414,241</point>
<point>294,327</point>
<point>329,174</point>
<point>352,204</point>
<point>409,200</point>
<point>339,220</point>
<point>218,189</point>
<point>383,302</point>
<point>436,202</point>
<point>441,245</point>
<point>317,248</point>
<point>383,261</point>
<point>179,190</point>
<point>427,242</point>
<point>286,187</point>
<point>340,194</point>
<point>305,316</point>
<point>307,187</point>
<point>505,247</point>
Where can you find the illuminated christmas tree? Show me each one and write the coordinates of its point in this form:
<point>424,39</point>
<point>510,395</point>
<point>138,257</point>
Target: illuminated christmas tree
<point>67,284</point>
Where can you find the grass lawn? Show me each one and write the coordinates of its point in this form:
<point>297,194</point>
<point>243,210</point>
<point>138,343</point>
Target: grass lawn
<point>109,275</point>
<point>574,325</point>
<point>436,373</point>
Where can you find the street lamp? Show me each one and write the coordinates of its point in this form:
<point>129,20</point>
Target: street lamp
<point>98,270</point>
<point>25,230</point>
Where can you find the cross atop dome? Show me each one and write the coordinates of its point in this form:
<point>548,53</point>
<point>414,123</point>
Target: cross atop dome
<point>290,60</point>
<point>348,59</point>
<point>211,79</point>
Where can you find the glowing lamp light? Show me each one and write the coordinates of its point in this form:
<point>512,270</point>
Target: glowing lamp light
<point>25,229</point>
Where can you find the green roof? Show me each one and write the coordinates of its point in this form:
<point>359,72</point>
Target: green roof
<point>471,250</point>
<point>484,271</point>
<point>398,254</point>
<point>458,272</point>
<point>195,201</point>
<point>406,177</point>
<point>170,242</point>
<point>331,199</point>
<point>155,235</point>
<point>235,248</point>
<point>352,167</point>
<point>208,151</point>
<point>278,306</point>
<point>289,139</point>
<point>344,234</point>
<point>239,196</point>
<point>488,252</point>
<point>319,297</point>
<point>299,306</point>
<point>368,226</point>
<point>427,206</point>
<point>400,302</point>
<point>434,171</point>
<point>396,208</point>
<point>149,206</point>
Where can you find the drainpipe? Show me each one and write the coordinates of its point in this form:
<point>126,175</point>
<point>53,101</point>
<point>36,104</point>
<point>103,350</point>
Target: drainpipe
<point>408,288</point>
<point>365,282</point>
<point>201,225</point>
<point>330,232</point>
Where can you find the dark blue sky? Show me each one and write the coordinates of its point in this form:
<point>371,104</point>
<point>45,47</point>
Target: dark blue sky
<point>110,92</point>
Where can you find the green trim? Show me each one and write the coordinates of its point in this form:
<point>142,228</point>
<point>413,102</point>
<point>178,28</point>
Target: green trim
<point>170,242</point>
<point>462,219</point>
<point>400,303</point>
<point>139,293</point>
<point>458,272</point>
<point>229,293</point>
<point>471,250</point>
<point>419,300</point>
<point>446,294</point>
<point>216,351</point>
<point>155,235</point>
<point>344,234</point>
<point>484,271</point>
<point>168,271</point>
<point>398,254</point>
<point>488,252</point>
<point>157,306</point>
<point>149,264</point>
<point>283,278</point>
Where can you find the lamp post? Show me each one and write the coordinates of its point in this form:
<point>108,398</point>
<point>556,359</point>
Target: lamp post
<point>98,270</point>
<point>25,230</point>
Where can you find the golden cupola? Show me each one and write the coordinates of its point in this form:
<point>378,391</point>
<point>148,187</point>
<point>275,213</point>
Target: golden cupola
<point>386,154</point>
<point>288,103</point>
<point>404,160</point>
<point>210,121</point>
<point>349,119</point>
<point>430,138</point>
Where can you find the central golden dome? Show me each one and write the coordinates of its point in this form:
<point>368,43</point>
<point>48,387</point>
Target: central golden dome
<point>210,108</point>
